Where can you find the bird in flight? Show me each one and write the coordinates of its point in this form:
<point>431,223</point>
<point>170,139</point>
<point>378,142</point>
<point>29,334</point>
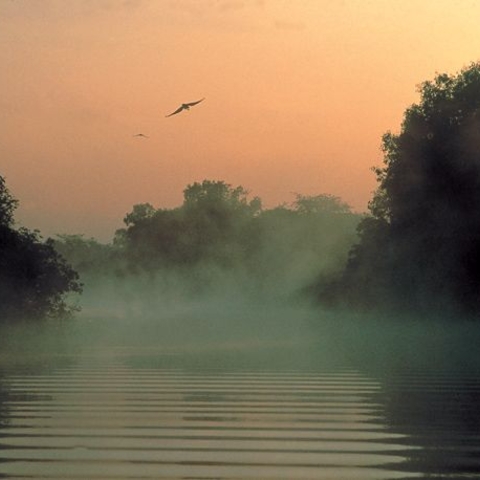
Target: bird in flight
<point>185,106</point>
<point>141,135</point>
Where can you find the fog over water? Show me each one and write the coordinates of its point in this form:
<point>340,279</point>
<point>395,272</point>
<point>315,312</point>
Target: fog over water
<point>219,339</point>
<point>210,343</point>
<point>234,371</point>
<point>221,386</point>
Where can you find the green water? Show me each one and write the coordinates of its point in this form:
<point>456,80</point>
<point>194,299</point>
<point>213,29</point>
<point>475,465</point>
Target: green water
<point>232,408</point>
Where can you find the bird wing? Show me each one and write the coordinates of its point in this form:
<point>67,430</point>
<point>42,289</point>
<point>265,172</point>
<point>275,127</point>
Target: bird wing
<point>191,104</point>
<point>178,110</point>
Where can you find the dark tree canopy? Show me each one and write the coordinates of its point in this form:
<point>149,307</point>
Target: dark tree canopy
<point>218,228</point>
<point>215,196</point>
<point>320,204</point>
<point>85,254</point>
<point>7,205</point>
<point>209,225</point>
<point>34,278</point>
<point>421,244</point>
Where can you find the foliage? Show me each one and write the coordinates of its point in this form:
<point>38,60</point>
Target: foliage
<point>421,244</point>
<point>219,227</point>
<point>218,233</point>
<point>304,240</point>
<point>85,254</point>
<point>208,226</point>
<point>140,212</point>
<point>34,278</point>
<point>320,204</point>
<point>218,196</point>
<point>7,204</point>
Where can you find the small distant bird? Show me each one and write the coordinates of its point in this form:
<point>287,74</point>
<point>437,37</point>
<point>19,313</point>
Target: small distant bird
<point>141,135</point>
<point>185,106</point>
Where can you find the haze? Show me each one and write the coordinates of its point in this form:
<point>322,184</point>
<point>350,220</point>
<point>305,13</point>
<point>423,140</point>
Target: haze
<point>298,95</point>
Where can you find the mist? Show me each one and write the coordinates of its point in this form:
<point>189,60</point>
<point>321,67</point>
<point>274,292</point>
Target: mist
<point>245,286</point>
<point>220,273</point>
<point>208,323</point>
<point>202,334</point>
<point>219,269</point>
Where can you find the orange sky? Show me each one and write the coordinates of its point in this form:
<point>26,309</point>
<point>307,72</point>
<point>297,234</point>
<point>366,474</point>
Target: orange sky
<point>298,94</point>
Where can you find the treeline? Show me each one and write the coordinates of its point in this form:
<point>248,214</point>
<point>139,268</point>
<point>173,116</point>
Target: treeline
<point>34,278</point>
<point>217,235</point>
<point>218,232</point>
<point>418,249</point>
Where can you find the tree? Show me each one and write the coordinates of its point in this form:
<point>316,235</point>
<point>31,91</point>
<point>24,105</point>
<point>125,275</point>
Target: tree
<point>140,212</point>
<point>7,205</point>
<point>420,246</point>
<point>34,278</point>
<point>304,242</point>
<point>212,224</point>
<point>86,255</point>
<point>320,204</point>
<point>216,196</point>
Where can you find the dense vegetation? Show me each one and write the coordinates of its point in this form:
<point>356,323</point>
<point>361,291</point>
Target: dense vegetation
<point>219,235</point>
<point>420,246</point>
<point>417,249</point>
<point>34,278</point>
<point>215,223</point>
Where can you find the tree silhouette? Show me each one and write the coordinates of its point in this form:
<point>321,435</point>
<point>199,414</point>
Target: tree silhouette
<point>320,204</point>
<point>420,247</point>
<point>218,233</point>
<point>34,278</point>
<point>210,225</point>
<point>7,205</point>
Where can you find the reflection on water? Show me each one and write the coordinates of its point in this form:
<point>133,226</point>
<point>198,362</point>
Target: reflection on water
<point>440,414</point>
<point>132,415</point>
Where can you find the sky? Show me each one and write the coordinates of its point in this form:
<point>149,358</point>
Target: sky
<point>298,94</point>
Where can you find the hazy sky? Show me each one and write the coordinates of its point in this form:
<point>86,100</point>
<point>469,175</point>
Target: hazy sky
<point>298,94</point>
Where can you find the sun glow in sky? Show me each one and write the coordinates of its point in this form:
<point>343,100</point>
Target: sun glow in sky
<point>298,94</point>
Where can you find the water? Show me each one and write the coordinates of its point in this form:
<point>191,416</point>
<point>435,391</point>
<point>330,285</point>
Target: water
<point>122,412</point>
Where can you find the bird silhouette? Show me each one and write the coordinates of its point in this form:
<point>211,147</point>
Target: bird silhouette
<point>141,135</point>
<point>185,106</point>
